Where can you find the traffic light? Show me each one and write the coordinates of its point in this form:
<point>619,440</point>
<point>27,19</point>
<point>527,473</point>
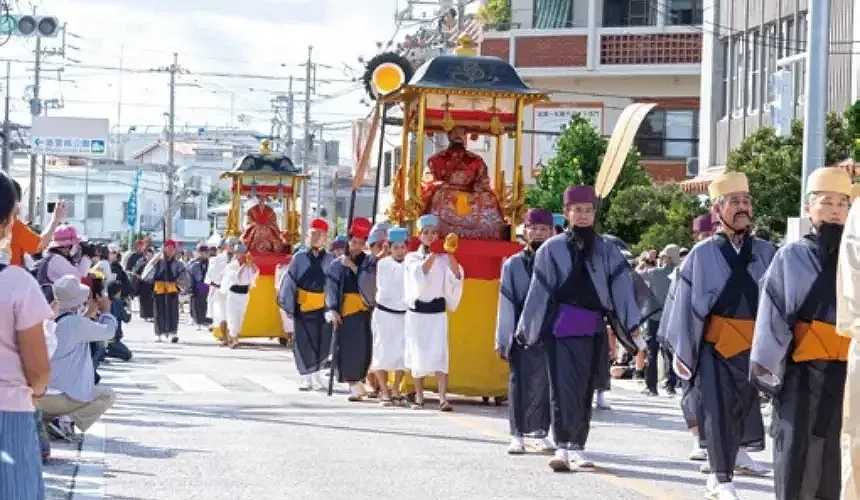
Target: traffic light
<point>27,25</point>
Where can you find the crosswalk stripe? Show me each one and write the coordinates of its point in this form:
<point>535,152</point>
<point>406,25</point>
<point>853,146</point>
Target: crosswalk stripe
<point>274,383</point>
<point>192,382</point>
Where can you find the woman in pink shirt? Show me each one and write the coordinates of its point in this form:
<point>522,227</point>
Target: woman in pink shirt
<point>24,366</point>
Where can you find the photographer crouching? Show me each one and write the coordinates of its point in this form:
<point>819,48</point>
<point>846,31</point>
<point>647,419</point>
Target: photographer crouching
<point>82,318</point>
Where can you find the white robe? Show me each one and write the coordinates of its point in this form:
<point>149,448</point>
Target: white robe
<point>427,334</point>
<point>388,328</point>
<point>236,303</point>
<point>848,324</point>
<point>217,296</point>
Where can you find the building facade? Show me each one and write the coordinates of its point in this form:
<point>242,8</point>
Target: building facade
<point>753,72</point>
<point>595,57</point>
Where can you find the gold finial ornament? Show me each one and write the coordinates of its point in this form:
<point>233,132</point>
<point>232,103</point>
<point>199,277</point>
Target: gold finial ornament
<point>265,147</point>
<point>448,122</point>
<point>467,47</point>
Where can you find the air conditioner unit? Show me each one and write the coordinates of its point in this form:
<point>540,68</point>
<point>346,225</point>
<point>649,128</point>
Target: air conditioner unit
<point>692,166</point>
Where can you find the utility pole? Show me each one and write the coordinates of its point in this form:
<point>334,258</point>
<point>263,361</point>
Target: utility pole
<point>814,126</point>
<point>291,101</point>
<point>119,148</point>
<point>171,140</point>
<point>321,160</point>
<point>308,139</point>
<point>6,118</point>
<point>35,111</point>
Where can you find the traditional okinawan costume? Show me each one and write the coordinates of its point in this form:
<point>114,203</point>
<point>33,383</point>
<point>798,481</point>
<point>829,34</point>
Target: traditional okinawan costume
<point>460,195</point>
<point>238,279</point>
<point>389,315</point>
<point>302,297</point>
<point>528,389</point>
<point>262,234</point>
<point>580,280</point>
<point>168,277</point>
<point>429,297</point>
<point>351,295</point>
<point>798,357</point>
<point>214,276</point>
<point>848,325</point>
<point>709,317</point>
<point>199,288</point>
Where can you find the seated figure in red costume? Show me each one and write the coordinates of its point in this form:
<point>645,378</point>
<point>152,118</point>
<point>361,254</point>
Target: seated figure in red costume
<point>460,195</point>
<point>262,234</point>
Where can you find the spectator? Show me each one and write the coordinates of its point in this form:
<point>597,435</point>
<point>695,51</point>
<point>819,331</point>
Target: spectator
<point>119,310</point>
<point>659,280</point>
<point>118,272</point>
<point>72,390</point>
<point>26,241</point>
<point>65,256</point>
<point>24,366</point>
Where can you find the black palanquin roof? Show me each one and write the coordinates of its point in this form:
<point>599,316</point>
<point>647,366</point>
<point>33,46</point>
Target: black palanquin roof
<point>470,72</point>
<point>266,163</point>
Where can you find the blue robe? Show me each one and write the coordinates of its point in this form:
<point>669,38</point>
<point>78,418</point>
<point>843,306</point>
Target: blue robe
<point>352,343</point>
<point>575,361</point>
<point>800,285</point>
<point>528,388</point>
<point>729,415</point>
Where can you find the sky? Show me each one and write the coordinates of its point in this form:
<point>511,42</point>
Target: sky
<point>268,37</point>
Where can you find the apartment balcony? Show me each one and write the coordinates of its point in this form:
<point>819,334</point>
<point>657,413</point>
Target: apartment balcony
<point>641,50</point>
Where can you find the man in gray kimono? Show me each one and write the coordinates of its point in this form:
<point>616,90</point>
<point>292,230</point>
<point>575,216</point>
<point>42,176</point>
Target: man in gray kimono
<point>580,280</point>
<point>797,355</point>
<point>528,391</point>
<point>710,315</point>
<point>350,294</point>
<point>302,298</point>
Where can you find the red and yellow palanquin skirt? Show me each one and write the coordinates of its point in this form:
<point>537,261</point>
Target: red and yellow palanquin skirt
<point>263,315</point>
<point>474,367</point>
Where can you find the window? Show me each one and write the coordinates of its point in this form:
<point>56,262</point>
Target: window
<point>684,12</point>
<point>553,14</point>
<point>770,51</point>
<point>754,70</point>
<point>629,12</point>
<point>69,199</point>
<point>738,74</point>
<point>188,211</point>
<point>726,62</point>
<point>669,134</point>
<point>786,38</point>
<point>95,206</point>
<point>387,169</point>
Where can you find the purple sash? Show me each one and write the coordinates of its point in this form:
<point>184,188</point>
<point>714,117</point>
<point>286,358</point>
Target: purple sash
<point>574,321</point>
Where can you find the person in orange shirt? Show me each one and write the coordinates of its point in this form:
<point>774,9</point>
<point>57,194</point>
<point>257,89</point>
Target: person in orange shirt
<point>25,240</point>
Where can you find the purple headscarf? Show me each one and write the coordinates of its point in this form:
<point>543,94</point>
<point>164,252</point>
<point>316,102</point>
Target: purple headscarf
<point>539,216</point>
<point>579,194</point>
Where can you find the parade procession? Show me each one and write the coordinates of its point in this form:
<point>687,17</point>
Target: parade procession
<point>596,249</point>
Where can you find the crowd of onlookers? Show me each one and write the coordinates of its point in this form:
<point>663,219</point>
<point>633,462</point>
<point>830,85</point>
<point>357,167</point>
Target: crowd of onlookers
<point>62,305</point>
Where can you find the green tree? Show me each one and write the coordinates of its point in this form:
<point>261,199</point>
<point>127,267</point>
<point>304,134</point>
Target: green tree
<point>852,116</point>
<point>773,165</point>
<point>649,216</point>
<point>496,14</point>
<point>578,154</point>
<point>218,197</point>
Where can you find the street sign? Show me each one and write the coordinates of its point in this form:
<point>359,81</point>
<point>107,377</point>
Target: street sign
<point>65,136</point>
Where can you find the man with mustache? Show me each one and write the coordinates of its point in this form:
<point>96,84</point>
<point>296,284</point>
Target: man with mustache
<point>797,355</point>
<point>529,384</point>
<point>710,316</point>
<point>580,279</point>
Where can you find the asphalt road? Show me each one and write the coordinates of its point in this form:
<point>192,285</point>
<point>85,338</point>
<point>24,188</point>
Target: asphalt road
<point>195,420</point>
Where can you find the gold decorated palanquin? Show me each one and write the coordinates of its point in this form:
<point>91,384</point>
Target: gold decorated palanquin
<point>484,95</point>
<point>270,174</point>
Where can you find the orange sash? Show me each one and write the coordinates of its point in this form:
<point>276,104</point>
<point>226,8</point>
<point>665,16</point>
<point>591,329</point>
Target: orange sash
<point>164,287</point>
<point>352,304</point>
<point>730,336</point>
<point>818,341</point>
<point>310,301</point>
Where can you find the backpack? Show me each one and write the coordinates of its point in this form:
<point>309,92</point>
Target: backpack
<point>40,272</point>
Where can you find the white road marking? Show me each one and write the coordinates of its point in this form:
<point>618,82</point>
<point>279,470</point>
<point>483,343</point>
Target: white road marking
<point>194,382</point>
<point>277,384</point>
<point>89,479</point>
